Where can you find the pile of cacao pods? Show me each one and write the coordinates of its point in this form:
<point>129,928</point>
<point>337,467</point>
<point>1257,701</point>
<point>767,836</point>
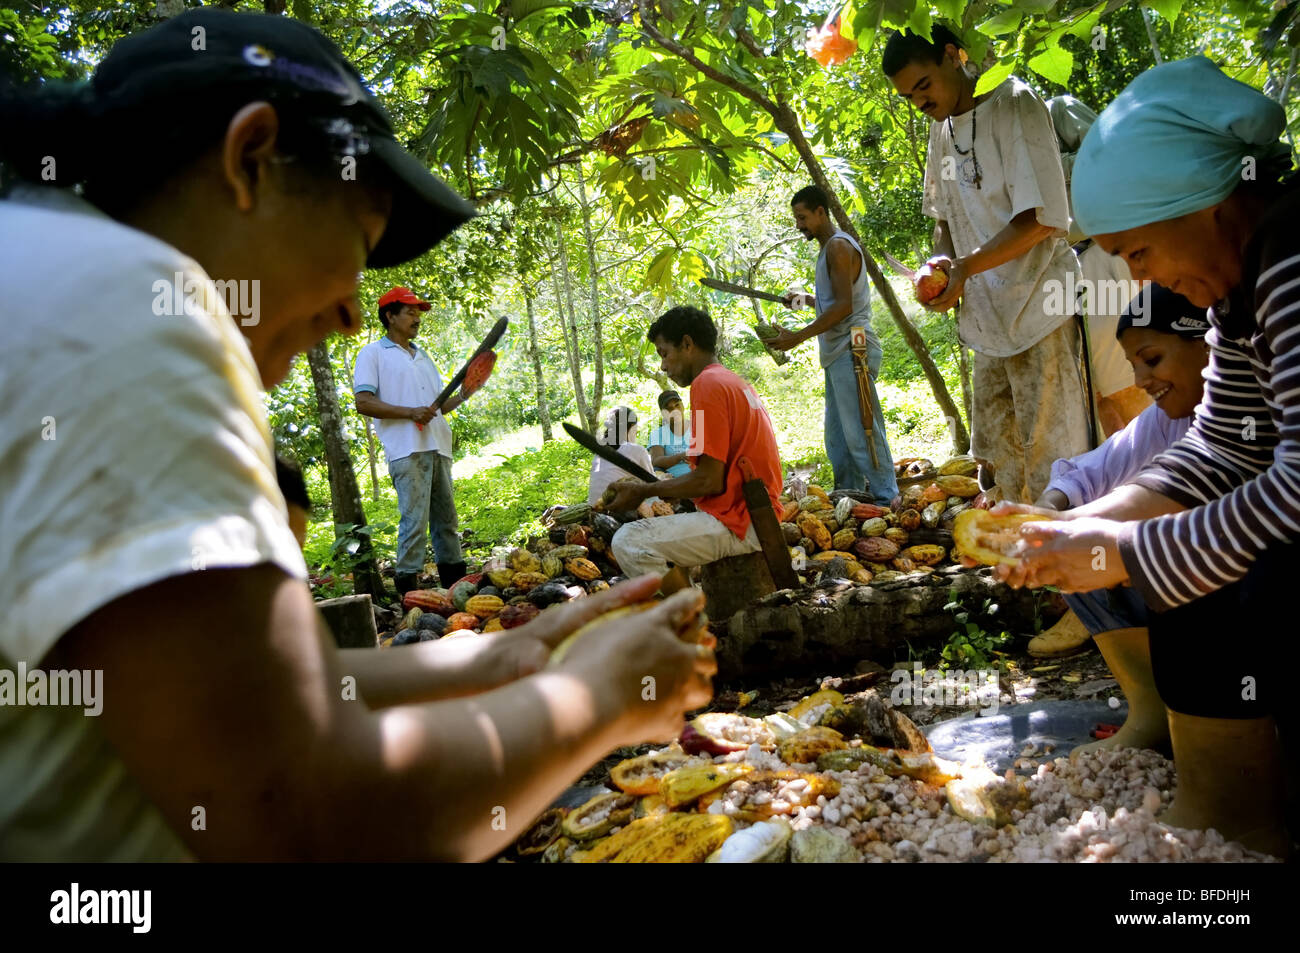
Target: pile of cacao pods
<point>670,806</point>
<point>572,561</point>
<point>844,536</point>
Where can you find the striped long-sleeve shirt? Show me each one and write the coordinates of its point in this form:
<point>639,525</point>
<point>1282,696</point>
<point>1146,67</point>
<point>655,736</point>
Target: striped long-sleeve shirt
<point>1238,468</point>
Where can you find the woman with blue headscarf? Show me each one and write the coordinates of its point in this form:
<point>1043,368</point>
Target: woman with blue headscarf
<point>1183,176</point>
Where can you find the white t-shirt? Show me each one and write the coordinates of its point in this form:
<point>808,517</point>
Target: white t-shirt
<point>387,370</point>
<point>603,473</point>
<point>1008,309</point>
<point>134,446</point>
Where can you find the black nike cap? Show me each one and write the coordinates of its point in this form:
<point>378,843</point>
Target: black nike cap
<point>304,75</point>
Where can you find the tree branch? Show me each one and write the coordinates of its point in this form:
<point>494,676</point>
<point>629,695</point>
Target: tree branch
<point>672,46</point>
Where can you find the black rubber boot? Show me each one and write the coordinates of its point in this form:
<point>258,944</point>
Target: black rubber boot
<point>449,574</point>
<point>405,582</point>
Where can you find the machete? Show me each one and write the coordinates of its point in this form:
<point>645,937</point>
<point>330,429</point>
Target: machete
<point>609,454</point>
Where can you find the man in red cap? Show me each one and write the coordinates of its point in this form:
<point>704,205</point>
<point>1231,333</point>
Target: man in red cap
<point>396,383</point>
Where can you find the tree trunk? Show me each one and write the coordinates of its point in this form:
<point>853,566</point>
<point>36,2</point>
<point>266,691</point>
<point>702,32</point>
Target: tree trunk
<point>788,123</point>
<point>563,283</point>
<point>963,361</point>
<point>345,496</point>
<point>370,436</point>
<point>543,411</point>
<point>598,394</point>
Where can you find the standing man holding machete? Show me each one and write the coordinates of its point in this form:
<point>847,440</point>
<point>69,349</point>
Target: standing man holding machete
<point>855,438</point>
<point>396,383</point>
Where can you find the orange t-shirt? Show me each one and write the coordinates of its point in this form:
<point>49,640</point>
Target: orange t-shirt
<point>729,421</point>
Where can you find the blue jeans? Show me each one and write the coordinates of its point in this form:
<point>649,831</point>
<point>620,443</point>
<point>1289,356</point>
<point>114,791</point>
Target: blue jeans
<point>846,441</point>
<point>423,484</point>
<point>1105,610</point>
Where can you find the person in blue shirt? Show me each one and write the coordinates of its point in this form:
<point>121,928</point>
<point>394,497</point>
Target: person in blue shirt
<point>669,441</point>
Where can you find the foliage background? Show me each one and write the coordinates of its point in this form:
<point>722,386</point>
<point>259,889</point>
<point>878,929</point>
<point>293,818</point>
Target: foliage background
<point>611,175</point>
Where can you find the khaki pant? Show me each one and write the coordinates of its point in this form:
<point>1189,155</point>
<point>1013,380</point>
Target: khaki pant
<point>684,539</point>
<point>1029,411</point>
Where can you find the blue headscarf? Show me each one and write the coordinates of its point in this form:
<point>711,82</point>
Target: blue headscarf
<point>1173,142</point>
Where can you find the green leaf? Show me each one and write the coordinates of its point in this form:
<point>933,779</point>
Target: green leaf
<point>1168,9</point>
<point>1000,24</point>
<point>990,79</point>
<point>1055,63</point>
<point>950,9</point>
<point>859,21</point>
<point>658,275</point>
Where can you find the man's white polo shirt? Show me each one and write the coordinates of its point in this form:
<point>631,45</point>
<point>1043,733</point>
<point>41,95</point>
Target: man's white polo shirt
<point>396,377</point>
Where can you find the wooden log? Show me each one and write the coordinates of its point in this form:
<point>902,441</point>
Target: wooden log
<point>733,584</point>
<point>351,620</point>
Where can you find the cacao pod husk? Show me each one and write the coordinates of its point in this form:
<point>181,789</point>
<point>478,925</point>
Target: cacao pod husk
<point>463,620</point>
<point>583,569</point>
<point>843,509</point>
<point>909,519</point>
<point>875,526</point>
<point>962,486</point>
<point>925,554</point>
<point>484,607</point>
<point>843,539</point>
<point>876,549</point>
<point>989,539</point>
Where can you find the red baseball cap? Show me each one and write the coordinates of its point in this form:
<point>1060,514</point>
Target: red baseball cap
<point>403,296</point>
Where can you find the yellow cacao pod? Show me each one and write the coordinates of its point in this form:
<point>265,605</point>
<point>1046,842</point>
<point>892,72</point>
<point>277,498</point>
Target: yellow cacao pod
<point>524,581</point>
<point>571,551</point>
<point>962,486</point>
<point>493,625</point>
<point>843,539</point>
<point>807,746</point>
<point>485,607</point>
<point>671,839</point>
<point>583,569</point>
<point>501,578</point>
<point>686,784</point>
<point>552,566</point>
<point>521,560</point>
<point>925,555</point>
<point>815,530</point>
<point>959,466</point>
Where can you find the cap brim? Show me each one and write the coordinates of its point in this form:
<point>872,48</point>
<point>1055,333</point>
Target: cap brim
<point>425,209</point>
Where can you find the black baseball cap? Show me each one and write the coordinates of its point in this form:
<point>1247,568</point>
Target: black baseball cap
<point>667,397</point>
<point>1158,308</point>
<point>302,74</point>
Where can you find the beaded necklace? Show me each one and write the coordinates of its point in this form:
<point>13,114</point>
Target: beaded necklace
<point>974,127</point>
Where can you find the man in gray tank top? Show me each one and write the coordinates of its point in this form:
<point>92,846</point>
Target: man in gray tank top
<point>843,302</point>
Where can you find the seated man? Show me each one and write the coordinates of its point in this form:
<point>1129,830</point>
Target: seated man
<point>728,421</point>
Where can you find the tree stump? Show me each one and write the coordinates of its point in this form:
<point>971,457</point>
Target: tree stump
<point>734,583</point>
<point>351,621</point>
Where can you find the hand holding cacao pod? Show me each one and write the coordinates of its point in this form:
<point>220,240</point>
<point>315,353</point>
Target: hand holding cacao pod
<point>931,280</point>
<point>656,663</point>
<point>1077,555</point>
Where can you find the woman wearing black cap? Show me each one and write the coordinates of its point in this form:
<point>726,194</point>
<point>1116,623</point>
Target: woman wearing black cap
<point>671,439</point>
<point>144,536</point>
<point>1163,337</point>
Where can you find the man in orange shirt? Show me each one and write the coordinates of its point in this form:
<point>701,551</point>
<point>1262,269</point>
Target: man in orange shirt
<point>728,421</point>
